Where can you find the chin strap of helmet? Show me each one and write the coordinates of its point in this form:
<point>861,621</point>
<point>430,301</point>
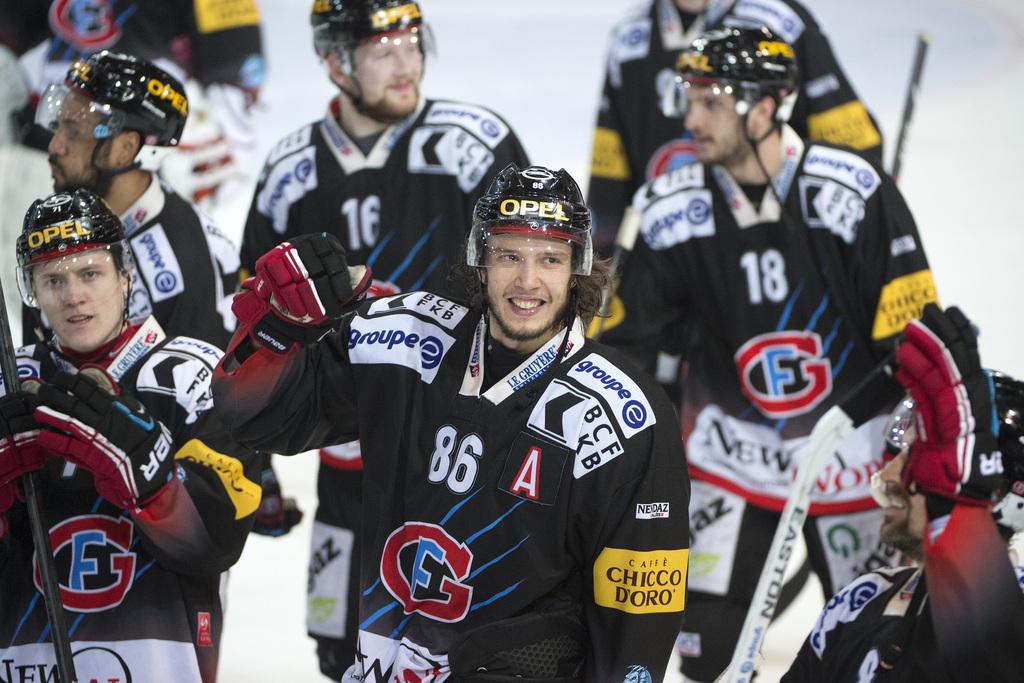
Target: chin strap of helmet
<point>105,176</point>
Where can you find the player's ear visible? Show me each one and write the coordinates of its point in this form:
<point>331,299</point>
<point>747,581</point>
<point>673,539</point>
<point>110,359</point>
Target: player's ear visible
<point>338,72</point>
<point>126,146</point>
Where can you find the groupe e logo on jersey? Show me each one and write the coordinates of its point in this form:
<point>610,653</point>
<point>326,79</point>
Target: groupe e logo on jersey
<point>431,348</point>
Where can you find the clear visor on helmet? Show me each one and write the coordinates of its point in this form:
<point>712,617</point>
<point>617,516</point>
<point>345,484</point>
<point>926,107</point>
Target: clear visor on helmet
<point>89,271</point>
<point>512,246</point>
<point>383,47</point>
<point>900,432</point>
<point>675,96</point>
<point>64,111</point>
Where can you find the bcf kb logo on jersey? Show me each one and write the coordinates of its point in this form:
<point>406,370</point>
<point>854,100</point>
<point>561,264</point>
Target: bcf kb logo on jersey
<point>93,560</point>
<point>783,373</point>
<point>422,567</point>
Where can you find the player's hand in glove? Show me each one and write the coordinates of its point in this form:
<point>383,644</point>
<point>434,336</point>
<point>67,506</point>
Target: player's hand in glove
<point>956,454</point>
<point>300,291</point>
<point>19,447</point>
<point>276,515</point>
<point>109,433</point>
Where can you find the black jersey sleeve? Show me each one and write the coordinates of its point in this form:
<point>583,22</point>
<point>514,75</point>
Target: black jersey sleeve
<point>198,524</point>
<point>611,182</point>
<point>828,109</point>
<point>635,532</point>
<point>226,43</point>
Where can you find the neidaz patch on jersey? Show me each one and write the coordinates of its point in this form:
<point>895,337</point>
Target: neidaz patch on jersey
<point>329,575</point>
<point>781,19</point>
<point>577,420</point>
<point>629,406</point>
<point>447,313</point>
<point>449,150</point>
<point>678,218</point>
<point>844,167</point>
<point>399,340</point>
<point>157,263</point>
<point>483,123</point>
<point>287,182</point>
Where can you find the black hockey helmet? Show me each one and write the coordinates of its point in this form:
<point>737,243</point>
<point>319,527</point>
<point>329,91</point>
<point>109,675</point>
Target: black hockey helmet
<point>747,63</point>
<point>128,93</point>
<point>533,201</point>
<point>1009,393</point>
<point>340,25</point>
<point>64,224</point>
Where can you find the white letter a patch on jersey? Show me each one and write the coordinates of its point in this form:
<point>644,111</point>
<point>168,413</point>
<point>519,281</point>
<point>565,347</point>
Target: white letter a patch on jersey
<point>533,469</point>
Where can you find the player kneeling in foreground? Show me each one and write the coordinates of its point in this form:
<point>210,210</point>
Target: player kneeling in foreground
<point>525,487</point>
<point>145,502</point>
<point>959,616</point>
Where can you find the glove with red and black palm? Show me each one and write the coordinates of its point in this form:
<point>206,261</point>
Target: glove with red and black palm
<point>109,433</point>
<point>19,447</point>
<point>300,291</point>
<point>956,453</point>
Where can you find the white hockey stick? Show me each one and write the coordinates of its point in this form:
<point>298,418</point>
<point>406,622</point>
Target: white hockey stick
<point>873,392</point>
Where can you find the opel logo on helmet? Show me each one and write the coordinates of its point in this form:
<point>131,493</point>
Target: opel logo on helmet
<point>538,173</point>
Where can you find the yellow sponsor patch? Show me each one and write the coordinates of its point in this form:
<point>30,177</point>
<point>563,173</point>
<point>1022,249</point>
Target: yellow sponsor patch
<point>616,314</point>
<point>81,70</point>
<point>245,495</point>
<point>848,124</point>
<point>608,157</point>
<point>51,232</point>
<point>391,16</point>
<point>775,48</point>
<point>532,207</point>
<point>641,582</point>
<point>901,301</point>
<point>692,62</point>
<point>164,91</point>
<point>221,15</point>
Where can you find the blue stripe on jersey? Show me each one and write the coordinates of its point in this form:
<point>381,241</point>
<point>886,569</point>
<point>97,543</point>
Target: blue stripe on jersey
<point>28,611</point>
<point>497,596</point>
<point>415,250</point>
<point>430,269</point>
<point>78,620</point>
<point>45,634</point>
<point>831,337</point>
<point>498,558</point>
<point>817,313</point>
<point>370,589</point>
<point>126,14</point>
<point>378,614</point>
<point>458,505</point>
<point>401,625</point>
<point>788,310</point>
<point>494,523</point>
<point>838,367</point>
<point>379,248</point>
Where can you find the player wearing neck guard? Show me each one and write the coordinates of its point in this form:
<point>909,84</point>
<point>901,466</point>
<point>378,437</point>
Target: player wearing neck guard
<point>527,485</point>
<point>781,270</point>
<point>145,498</point>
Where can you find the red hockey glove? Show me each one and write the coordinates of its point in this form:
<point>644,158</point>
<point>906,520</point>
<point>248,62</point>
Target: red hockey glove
<point>276,515</point>
<point>956,454</point>
<point>19,448</point>
<point>300,291</point>
<point>128,451</point>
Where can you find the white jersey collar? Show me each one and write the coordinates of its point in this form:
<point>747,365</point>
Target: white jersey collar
<point>348,154</point>
<point>150,203</point>
<point>770,212</point>
<point>529,370</point>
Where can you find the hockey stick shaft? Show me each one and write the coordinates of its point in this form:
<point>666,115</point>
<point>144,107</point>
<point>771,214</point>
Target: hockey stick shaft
<point>908,104</point>
<point>40,535</point>
<point>874,391</point>
<point>625,238</point>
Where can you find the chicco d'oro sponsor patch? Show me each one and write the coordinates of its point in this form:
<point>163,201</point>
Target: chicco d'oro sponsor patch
<point>641,582</point>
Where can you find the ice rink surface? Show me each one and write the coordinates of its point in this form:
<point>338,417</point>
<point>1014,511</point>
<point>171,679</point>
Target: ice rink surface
<point>540,64</point>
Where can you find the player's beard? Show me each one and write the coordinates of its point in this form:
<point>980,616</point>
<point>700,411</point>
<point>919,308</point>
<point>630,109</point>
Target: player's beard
<point>90,178</point>
<point>529,335</point>
<point>897,532</point>
<point>389,112</point>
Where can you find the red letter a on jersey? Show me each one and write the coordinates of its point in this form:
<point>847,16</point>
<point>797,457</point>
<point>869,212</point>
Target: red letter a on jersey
<point>527,481</point>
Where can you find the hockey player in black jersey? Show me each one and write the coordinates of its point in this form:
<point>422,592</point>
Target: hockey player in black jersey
<point>634,141</point>
<point>394,177</point>
<point>110,118</point>
<point>524,486</point>
<point>957,616</point>
<point>145,497</point>
<point>778,306</point>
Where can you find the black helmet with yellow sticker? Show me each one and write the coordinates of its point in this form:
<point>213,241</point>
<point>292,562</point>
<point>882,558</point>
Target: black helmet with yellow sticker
<point>747,63</point>
<point>122,93</point>
<point>534,201</point>
<point>340,25</point>
<point>63,225</point>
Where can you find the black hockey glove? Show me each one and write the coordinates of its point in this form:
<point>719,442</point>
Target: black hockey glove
<point>276,515</point>
<point>300,291</point>
<point>19,447</point>
<point>109,433</point>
